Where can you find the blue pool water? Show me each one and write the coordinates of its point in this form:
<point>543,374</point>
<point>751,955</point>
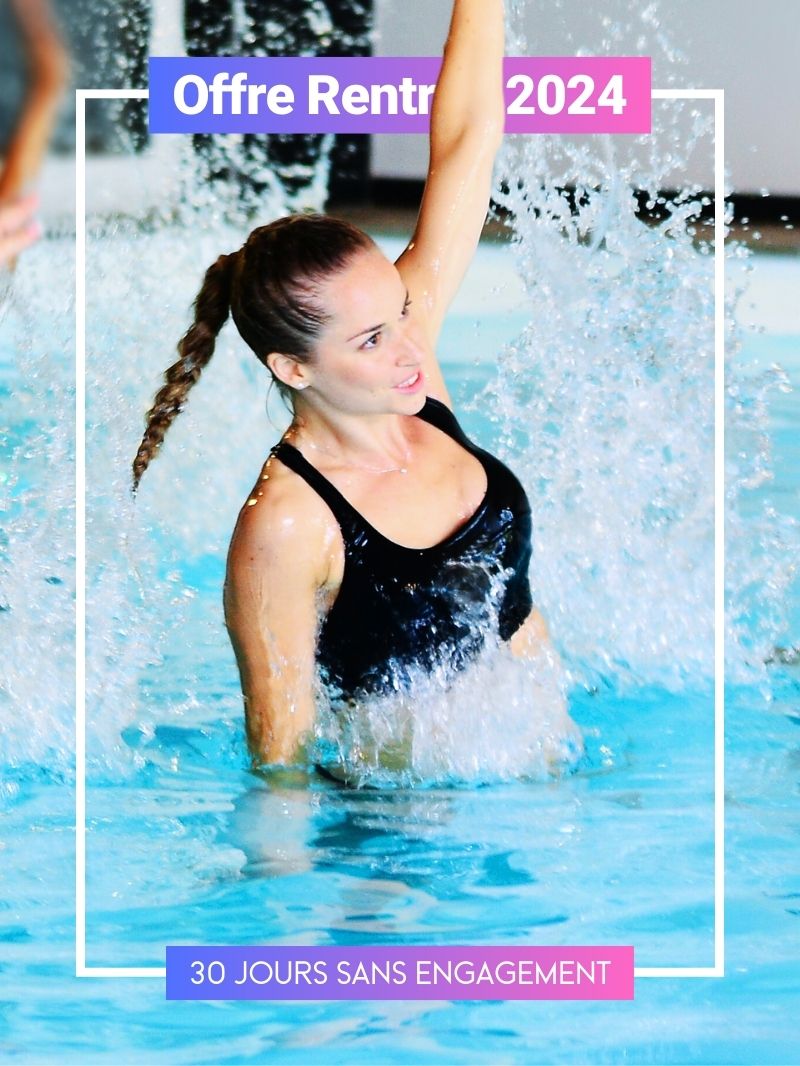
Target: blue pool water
<point>184,845</point>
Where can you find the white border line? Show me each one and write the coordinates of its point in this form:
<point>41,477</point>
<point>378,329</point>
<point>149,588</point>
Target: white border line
<point>80,536</point>
<point>718,969</point>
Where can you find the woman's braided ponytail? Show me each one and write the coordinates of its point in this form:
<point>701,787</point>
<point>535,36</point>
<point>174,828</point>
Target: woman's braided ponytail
<point>271,287</point>
<point>211,310</point>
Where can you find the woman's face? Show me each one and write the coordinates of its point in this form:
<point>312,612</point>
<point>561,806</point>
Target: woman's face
<point>369,356</point>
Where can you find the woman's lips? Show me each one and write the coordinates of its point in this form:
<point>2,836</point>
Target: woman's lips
<point>412,383</point>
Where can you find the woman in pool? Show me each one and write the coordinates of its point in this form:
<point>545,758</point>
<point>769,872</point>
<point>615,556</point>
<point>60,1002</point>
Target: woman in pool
<point>378,539</point>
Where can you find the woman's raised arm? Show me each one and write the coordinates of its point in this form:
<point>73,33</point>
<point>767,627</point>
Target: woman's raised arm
<point>467,122</point>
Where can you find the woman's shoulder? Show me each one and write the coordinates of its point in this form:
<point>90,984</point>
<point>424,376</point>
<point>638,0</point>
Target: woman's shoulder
<point>283,521</point>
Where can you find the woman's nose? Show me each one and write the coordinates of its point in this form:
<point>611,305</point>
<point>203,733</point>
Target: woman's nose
<point>410,348</point>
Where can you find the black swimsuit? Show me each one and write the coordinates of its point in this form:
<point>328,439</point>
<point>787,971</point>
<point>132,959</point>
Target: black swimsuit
<point>400,608</point>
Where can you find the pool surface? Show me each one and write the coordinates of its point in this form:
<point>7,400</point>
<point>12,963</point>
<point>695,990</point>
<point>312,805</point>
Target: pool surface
<point>185,845</point>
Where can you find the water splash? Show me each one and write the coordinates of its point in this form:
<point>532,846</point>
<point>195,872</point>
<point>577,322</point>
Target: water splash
<point>37,492</point>
<point>604,405</point>
<point>607,401</point>
<point>476,712</point>
<point>499,718</point>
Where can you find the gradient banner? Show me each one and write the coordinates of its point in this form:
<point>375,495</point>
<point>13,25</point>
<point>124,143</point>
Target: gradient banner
<point>399,973</point>
<point>389,94</point>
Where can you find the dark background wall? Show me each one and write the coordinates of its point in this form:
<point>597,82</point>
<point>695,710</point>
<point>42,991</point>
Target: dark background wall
<point>109,43</point>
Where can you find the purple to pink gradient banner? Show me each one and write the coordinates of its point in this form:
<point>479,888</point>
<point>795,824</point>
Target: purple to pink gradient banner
<point>399,972</point>
<point>389,94</point>
<point>587,94</point>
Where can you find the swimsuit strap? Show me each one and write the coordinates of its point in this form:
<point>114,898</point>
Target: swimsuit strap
<point>434,412</point>
<point>438,414</point>
<point>343,510</point>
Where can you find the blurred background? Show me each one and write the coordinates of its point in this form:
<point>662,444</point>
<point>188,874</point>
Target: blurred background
<point>748,50</point>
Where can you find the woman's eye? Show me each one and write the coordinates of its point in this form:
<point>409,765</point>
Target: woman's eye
<point>372,341</point>
<point>406,306</point>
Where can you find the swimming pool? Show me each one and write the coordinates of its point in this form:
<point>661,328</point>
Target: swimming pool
<point>184,845</point>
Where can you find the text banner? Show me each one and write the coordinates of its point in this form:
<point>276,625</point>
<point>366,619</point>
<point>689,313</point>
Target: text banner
<point>399,973</point>
<point>389,94</point>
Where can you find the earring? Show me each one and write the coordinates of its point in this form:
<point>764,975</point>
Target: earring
<point>302,385</point>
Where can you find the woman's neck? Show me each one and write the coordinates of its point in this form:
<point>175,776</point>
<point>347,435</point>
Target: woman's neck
<point>379,442</point>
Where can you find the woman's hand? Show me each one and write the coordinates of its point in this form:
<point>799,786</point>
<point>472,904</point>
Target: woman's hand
<point>564,743</point>
<point>18,229</point>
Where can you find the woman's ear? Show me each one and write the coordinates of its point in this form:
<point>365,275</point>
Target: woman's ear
<point>288,370</point>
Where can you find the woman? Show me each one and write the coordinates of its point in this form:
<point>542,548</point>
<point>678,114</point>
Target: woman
<point>377,538</point>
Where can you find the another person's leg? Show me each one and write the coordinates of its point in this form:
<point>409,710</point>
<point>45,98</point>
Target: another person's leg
<point>46,77</point>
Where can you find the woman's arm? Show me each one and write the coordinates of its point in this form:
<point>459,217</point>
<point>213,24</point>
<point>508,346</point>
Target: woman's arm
<point>467,122</point>
<point>270,599</point>
<point>562,740</point>
<point>531,637</point>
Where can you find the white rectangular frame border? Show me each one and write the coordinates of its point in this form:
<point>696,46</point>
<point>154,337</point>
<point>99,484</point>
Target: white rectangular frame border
<point>718,969</point>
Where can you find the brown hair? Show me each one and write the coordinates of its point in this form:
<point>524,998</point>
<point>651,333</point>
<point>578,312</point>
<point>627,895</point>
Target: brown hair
<point>270,286</point>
